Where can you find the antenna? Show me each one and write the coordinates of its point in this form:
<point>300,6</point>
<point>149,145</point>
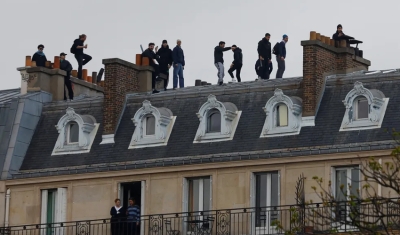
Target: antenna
<point>141,48</point>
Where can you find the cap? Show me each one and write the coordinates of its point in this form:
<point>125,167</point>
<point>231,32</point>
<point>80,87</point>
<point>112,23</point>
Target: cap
<point>339,26</point>
<point>233,45</point>
<point>41,45</point>
<point>284,36</point>
<point>164,41</point>
<point>62,53</point>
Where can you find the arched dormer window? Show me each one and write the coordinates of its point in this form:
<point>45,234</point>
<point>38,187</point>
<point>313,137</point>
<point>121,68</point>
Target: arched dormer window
<point>218,121</point>
<point>283,115</point>
<point>76,133</point>
<point>153,126</point>
<point>365,108</point>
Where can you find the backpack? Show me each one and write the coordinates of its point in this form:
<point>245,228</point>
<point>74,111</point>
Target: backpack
<point>275,50</point>
<point>72,50</point>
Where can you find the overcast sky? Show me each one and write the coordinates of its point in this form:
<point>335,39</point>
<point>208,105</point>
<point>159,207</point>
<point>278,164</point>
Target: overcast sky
<point>117,28</point>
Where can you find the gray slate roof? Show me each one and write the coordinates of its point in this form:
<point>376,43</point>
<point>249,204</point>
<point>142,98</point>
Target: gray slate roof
<point>249,97</point>
<point>7,95</point>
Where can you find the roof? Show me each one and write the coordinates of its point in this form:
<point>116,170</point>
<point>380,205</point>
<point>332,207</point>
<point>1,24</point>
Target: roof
<point>249,97</point>
<point>7,95</point>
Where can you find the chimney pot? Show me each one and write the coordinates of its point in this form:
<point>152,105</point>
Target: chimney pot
<point>48,64</point>
<point>343,43</point>
<point>28,61</point>
<point>203,83</point>
<point>197,82</point>
<point>318,36</point>
<point>322,38</point>
<point>89,79</point>
<point>56,62</point>
<point>74,73</point>
<point>313,35</point>
<point>33,64</point>
<point>84,74</point>
<point>138,59</point>
<point>94,77</point>
<point>332,42</point>
<point>145,61</point>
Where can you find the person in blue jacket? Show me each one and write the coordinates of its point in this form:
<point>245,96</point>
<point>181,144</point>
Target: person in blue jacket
<point>179,64</point>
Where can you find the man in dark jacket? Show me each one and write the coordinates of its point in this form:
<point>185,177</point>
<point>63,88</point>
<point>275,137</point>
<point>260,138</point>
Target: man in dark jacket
<point>264,53</point>
<point>280,58</point>
<point>339,35</point>
<point>39,57</point>
<point>219,61</point>
<point>165,60</point>
<point>237,62</point>
<point>179,65</point>
<point>153,59</point>
<point>67,67</point>
<point>80,57</point>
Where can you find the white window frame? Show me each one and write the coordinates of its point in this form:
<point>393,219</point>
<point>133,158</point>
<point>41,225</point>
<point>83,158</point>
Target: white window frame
<point>253,197</point>
<point>60,215</point>
<point>230,116</point>
<point>145,126</point>
<point>87,128</point>
<point>294,108</point>
<point>164,123</point>
<point>210,113</point>
<point>278,116</point>
<point>69,133</point>
<point>356,107</point>
<point>377,108</point>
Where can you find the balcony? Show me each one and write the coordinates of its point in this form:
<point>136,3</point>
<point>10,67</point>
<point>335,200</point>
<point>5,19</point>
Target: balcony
<point>306,219</point>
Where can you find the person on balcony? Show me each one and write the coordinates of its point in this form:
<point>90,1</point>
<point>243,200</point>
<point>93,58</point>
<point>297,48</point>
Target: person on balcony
<point>39,57</point>
<point>133,217</point>
<point>118,216</point>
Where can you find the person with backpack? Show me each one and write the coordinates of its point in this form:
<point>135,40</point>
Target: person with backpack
<point>281,55</point>
<point>39,57</point>
<point>264,53</point>
<point>81,58</point>
<point>237,62</point>
<point>219,61</point>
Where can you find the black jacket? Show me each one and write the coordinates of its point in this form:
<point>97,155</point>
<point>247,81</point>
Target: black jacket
<point>165,55</point>
<point>264,49</point>
<point>178,56</point>
<point>39,59</point>
<point>115,215</point>
<point>77,51</point>
<point>258,67</point>
<point>237,56</point>
<point>66,66</point>
<point>218,54</point>
<point>151,55</point>
<point>336,36</point>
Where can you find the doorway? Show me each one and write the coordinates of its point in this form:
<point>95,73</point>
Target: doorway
<point>130,190</point>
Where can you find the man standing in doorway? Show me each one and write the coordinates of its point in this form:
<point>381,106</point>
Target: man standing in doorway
<point>219,61</point>
<point>80,57</point>
<point>39,57</point>
<point>133,217</point>
<point>280,58</point>
<point>264,53</point>
<point>179,65</point>
<point>67,67</point>
<point>237,62</point>
<point>153,58</point>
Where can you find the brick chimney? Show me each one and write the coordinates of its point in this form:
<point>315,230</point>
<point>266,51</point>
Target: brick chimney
<point>320,59</point>
<point>120,78</point>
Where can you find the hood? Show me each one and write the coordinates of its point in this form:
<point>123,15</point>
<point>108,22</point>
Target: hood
<point>164,48</point>
<point>264,40</point>
<point>238,50</point>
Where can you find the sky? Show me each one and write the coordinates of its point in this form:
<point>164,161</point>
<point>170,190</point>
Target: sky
<point>117,28</point>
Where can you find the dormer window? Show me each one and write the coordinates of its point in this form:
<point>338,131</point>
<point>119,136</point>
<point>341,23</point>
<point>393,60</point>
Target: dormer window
<point>365,108</point>
<point>73,133</point>
<point>76,133</point>
<point>153,126</point>
<point>283,115</point>
<point>218,121</point>
<point>214,121</point>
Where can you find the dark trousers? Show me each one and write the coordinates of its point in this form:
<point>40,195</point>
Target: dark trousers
<point>281,67</point>
<point>154,74</point>
<point>238,68</point>
<point>117,227</point>
<point>266,69</point>
<point>67,83</point>
<point>82,59</point>
<point>166,81</point>
<point>132,228</point>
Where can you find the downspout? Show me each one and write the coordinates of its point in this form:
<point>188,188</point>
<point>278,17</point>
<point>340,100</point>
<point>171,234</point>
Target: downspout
<point>8,195</point>
<point>379,183</point>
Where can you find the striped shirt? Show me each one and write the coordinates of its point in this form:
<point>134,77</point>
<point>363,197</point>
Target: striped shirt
<point>133,213</point>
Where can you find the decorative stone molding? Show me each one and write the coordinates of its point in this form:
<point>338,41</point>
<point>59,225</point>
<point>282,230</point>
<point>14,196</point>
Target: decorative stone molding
<point>377,107</point>
<point>164,122</point>
<point>294,105</point>
<point>229,120</point>
<point>87,131</point>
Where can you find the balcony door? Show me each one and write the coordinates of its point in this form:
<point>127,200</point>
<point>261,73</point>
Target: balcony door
<point>134,190</point>
<point>53,211</point>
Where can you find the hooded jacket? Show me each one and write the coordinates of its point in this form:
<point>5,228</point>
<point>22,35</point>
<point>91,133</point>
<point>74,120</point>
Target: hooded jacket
<point>151,55</point>
<point>237,56</point>
<point>264,49</point>
<point>218,54</point>
<point>66,66</point>
<point>40,59</point>
<point>165,55</point>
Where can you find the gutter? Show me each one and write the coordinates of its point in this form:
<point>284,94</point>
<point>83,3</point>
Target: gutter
<point>6,219</point>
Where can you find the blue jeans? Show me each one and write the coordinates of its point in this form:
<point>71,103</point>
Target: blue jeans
<point>178,70</point>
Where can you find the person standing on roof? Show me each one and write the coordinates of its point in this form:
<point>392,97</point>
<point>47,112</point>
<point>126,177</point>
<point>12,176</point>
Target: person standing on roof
<point>237,62</point>
<point>339,35</point>
<point>39,57</point>
<point>265,55</point>
<point>179,65</point>
<point>81,58</point>
<point>165,55</point>
<point>219,61</point>
<point>67,67</point>
<point>281,56</point>
<point>153,59</point>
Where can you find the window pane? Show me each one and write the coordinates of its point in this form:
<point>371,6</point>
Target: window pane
<point>73,132</point>
<point>206,194</point>
<point>355,182</point>
<point>150,125</point>
<point>194,195</point>
<point>261,190</point>
<point>362,108</point>
<point>214,121</point>
<point>341,185</point>
<point>282,115</point>
<point>274,189</point>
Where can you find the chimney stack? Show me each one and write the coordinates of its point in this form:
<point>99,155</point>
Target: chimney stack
<point>321,59</point>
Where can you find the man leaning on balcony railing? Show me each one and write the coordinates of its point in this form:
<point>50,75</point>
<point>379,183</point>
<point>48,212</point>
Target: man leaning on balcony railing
<point>133,219</point>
